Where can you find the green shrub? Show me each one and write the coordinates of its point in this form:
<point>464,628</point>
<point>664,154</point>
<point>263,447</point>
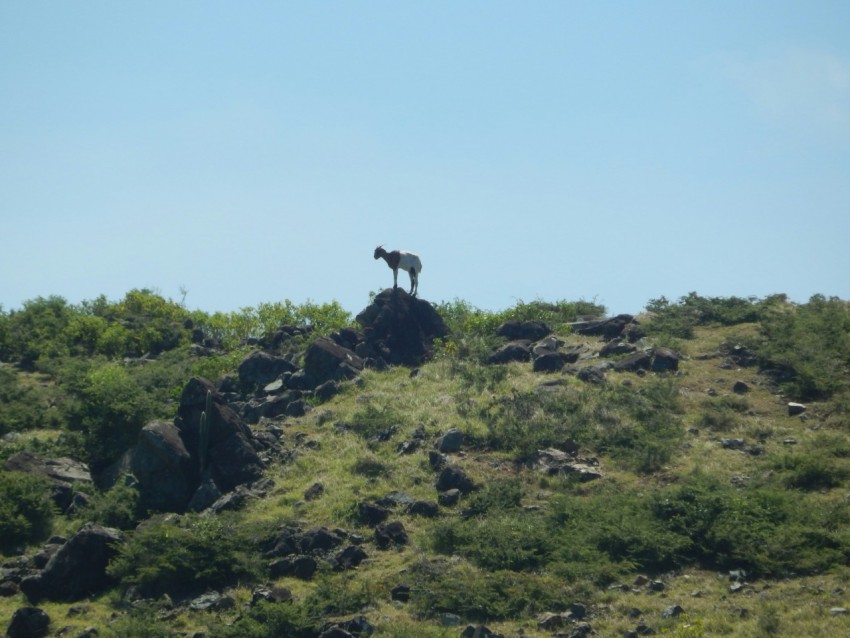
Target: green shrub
<point>111,412</point>
<point>26,510</point>
<point>812,471</point>
<point>499,542</point>
<point>722,414</point>
<point>182,556</point>
<point>337,594</point>
<point>141,622</point>
<point>479,595</point>
<point>269,620</point>
<point>765,530</point>
<point>117,507</point>
<point>809,346</point>
<point>609,534</point>
<point>648,429</point>
<point>25,406</point>
<point>35,334</point>
<point>500,495</point>
<point>372,421</point>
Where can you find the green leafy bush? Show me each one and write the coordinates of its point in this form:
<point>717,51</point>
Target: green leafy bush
<point>809,347</point>
<point>117,507</point>
<point>480,595</point>
<point>111,411</point>
<point>26,510</point>
<point>679,319</point>
<point>372,421</point>
<point>502,541</point>
<point>183,556</point>
<point>141,622</point>
<point>269,620</point>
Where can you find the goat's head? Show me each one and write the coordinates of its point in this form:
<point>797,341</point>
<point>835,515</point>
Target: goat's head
<point>380,252</point>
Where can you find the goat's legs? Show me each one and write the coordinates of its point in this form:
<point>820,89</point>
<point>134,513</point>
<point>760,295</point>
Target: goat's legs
<point>414,283</point>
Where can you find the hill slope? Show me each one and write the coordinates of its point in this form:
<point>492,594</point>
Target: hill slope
<point>619,477</point>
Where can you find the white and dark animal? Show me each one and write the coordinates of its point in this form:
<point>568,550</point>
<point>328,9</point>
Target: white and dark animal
<point>402,260</point>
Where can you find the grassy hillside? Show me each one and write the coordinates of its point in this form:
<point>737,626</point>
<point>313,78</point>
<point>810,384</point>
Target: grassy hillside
<point>710,511</point>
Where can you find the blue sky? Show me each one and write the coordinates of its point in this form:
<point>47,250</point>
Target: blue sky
<point>257,151</point>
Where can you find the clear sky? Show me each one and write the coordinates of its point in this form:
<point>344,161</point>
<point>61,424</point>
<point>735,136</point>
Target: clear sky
<point>248,152</point>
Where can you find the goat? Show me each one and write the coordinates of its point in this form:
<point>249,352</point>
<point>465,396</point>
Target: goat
<point>408,262</point>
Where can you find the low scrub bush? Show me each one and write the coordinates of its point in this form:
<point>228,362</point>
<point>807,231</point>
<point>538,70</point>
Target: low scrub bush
<point>808,346</point>
<point>26,510</point>
<point>269,620</point>
<point>679,319</point>
<point>184,556</point>
<point>373,422</point>
<point>812,471</point>
<point>479,595</point>
<point>116,507</point>
<point>506,541</point>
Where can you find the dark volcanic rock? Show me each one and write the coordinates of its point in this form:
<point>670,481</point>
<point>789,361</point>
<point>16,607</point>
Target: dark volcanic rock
<point>78,568</point>
<point>349,558</point>
<point>163,467</point>
<point>302,567</point>
<point>325,360</point>
<point>554,361</point>
<point>513,351</point>
<point>606,328</point>
<point>453,477</point>
<point>399,329</point>
<point>515,330</point>
<point>388,534</point>
<point>28,622</point>
<point>232,459</point>
<point>260,368</point>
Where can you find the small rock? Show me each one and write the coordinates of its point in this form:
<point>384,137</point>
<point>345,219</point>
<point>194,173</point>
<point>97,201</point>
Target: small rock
<point>838,611</point>
<point>387,534</point>
<point>450,442</point>
<point>400,593</point>
<point>316,490</point>
<point>733,444</point>
<point>795,408</point>
<point>738,575</point>
<point>672,612</point>
<point>740,387</point>
<point>449,497</point>
<point>550,621</point>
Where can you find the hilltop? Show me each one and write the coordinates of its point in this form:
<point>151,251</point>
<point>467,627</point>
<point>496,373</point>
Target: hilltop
<point>425,469</point>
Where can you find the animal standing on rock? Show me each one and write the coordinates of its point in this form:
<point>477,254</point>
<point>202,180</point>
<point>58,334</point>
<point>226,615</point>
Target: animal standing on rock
<point>400,259</point>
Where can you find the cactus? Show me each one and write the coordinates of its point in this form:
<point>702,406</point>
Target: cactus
<point>204,434</point>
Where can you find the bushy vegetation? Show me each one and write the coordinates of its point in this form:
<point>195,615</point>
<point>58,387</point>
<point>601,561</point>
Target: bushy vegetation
<point>188,555</point>
<point>26,510</point>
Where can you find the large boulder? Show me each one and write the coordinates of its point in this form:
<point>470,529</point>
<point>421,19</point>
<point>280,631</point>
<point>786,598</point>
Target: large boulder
<point>229,456</point>
<point>608,329</point>
<point>261,368</point>
<point>513,351</point>
<point>326,360</point>
<point>162,465</point>
<point>61,473</point>
<point>78,568</point>
<point>28,622</point>
<point>399,328</point>
<point>515,330</point>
